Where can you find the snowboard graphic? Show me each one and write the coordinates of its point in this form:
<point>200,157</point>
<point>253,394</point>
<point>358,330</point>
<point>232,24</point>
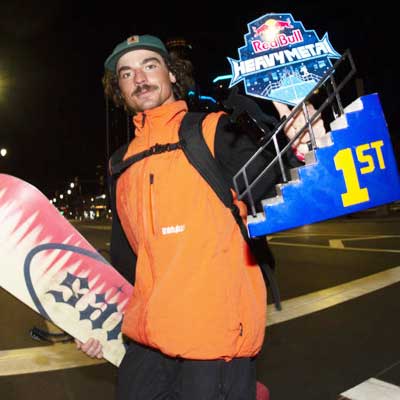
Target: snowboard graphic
<point>48,265</point>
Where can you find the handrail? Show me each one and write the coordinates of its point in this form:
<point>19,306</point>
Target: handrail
<point>334,95</point>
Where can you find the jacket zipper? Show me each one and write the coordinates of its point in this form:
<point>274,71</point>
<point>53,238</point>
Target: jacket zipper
<point>144,313</point>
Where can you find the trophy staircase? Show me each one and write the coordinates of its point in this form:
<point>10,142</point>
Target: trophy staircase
<point>351,168</point>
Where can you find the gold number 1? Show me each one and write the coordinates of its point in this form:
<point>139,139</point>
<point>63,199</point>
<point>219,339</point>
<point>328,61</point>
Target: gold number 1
<point>355,195</point>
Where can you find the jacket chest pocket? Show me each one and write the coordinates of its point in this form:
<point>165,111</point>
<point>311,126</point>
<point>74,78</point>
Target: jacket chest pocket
<point>169,204</point>
<point>152,205</point>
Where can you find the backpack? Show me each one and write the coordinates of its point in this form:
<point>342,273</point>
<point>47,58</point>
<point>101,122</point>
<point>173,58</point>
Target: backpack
<point>199,155</point>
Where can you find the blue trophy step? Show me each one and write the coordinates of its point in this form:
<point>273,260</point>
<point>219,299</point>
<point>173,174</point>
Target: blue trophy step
<point>352,169</point>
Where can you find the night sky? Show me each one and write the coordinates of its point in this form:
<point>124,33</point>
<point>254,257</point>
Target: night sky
<point>52,109</point>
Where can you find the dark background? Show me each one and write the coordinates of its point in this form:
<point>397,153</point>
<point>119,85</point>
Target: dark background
<point>52,108</point>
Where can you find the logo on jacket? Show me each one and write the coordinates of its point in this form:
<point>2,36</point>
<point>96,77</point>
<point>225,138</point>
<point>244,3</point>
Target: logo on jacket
<point>167,230</point>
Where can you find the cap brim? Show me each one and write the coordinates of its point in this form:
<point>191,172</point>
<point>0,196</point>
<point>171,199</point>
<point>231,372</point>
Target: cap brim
<point>111,62</point>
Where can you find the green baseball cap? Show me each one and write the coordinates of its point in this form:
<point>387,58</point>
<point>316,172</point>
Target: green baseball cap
<point>135,42</point>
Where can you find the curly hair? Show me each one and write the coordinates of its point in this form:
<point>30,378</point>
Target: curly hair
<point>182,70</point>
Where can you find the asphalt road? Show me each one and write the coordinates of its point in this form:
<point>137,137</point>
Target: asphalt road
<point>339,326</point>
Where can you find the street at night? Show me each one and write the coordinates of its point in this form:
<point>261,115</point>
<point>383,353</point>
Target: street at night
<point>338,327</point>
<point>99,110</point>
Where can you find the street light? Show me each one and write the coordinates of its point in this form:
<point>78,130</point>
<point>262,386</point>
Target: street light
<point>3,152</point>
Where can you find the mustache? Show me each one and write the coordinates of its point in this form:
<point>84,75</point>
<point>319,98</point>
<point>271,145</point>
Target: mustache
<point>144,87</point>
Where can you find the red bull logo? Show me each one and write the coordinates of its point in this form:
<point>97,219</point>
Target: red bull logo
<point>280,40</point>
<point>271,28</point>
<point>271,35</point>
<point>280,59</point>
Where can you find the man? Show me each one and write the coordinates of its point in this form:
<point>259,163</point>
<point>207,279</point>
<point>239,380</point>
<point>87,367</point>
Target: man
<point>196,319</point>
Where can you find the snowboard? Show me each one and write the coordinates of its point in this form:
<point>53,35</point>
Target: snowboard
<point>48,265</point>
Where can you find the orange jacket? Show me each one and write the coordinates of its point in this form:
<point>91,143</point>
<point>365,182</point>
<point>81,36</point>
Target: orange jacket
<point>197,294</point>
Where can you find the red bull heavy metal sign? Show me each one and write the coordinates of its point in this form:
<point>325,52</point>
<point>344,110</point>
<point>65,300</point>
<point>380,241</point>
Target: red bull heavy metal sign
<point>281,60</point>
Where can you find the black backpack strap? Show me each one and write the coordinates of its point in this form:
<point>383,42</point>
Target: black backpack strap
<point>200,156</point>
<point>119,167</point>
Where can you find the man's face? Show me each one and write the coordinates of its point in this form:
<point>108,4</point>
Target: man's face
<point>144,80</point>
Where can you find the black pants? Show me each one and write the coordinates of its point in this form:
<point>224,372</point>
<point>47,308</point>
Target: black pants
<point>147,374</point>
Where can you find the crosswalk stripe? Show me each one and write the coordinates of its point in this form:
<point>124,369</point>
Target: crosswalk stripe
<point>316,301</point>
<point>64,355</point>
<point>43,358</point>
<point>372,389</point>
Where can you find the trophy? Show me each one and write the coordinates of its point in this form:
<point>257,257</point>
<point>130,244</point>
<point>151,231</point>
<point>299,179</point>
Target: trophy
<point>351,168</point>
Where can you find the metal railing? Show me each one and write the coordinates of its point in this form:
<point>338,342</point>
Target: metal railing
<point>242,183</point>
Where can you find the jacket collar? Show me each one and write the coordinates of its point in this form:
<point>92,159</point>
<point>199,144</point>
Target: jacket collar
<point>158,116</point>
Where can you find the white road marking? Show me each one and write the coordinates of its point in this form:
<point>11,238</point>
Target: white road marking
<point>339,243</point>
<point>336,243</point>
<point>366,237</point>
<point>43,358</point>
<point>61,356</point>
<point>316,301</point>
<point>333,243</point>
<point>322,246</point>
<point>373,389</point>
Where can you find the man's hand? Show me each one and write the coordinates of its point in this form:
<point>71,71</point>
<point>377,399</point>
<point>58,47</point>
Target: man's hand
<point>93,348</point>
<point>297,122</point>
